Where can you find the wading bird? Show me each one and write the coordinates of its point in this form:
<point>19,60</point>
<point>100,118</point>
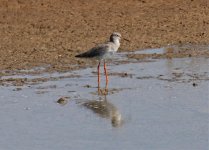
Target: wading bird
<point>103,52</point>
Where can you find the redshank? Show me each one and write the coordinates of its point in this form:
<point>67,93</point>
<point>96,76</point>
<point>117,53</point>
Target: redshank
<point>103,52</point>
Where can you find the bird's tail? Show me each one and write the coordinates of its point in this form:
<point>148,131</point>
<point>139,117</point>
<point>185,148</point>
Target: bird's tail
<point>85,54</point>
<point>80,55</point>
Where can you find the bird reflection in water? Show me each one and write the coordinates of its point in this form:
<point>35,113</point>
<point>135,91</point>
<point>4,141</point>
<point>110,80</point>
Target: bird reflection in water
<point>105,109</point>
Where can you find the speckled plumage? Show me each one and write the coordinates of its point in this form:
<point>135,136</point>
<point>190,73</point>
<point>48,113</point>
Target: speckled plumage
<point>104,50</point>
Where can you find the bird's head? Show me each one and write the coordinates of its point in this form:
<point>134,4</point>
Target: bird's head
<point>115,37</point>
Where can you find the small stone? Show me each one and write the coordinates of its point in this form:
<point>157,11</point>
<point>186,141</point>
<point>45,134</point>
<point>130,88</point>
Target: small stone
<point>62,101</point>
<point>17,89</point>
<point>87,86</point>
<point>27,108</point>
<point>194,84</point>
<point>124,74</point>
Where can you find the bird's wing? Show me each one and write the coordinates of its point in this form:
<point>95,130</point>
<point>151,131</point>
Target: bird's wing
<point>97,51</point>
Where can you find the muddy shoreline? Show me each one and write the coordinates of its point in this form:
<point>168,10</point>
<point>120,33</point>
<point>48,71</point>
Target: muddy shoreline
<point>51,33</point>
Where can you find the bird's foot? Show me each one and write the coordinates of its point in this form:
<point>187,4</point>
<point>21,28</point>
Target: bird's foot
<point>103,91</point>
<point>99,91</point>
<point>106,91</point>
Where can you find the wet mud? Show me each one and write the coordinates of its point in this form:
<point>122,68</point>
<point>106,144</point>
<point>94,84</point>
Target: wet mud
<point>176,51</point>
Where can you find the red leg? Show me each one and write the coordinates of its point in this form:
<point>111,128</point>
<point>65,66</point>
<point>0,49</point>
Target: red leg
<point>98,71</point>
<point>106,75</point>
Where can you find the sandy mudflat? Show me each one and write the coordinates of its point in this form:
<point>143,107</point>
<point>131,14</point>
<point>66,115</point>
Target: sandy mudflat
<point>51,32</point>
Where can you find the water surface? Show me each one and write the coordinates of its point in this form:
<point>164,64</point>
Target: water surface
<point>161,104</point>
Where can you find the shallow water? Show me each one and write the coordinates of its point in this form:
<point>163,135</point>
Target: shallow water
<point>161,104</point>
<point>151,51</point>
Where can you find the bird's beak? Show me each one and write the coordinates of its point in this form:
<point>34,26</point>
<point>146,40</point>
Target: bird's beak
<point>126,39</point>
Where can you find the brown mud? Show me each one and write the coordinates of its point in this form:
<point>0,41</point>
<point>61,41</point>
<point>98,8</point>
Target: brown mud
<point>39,33</point>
